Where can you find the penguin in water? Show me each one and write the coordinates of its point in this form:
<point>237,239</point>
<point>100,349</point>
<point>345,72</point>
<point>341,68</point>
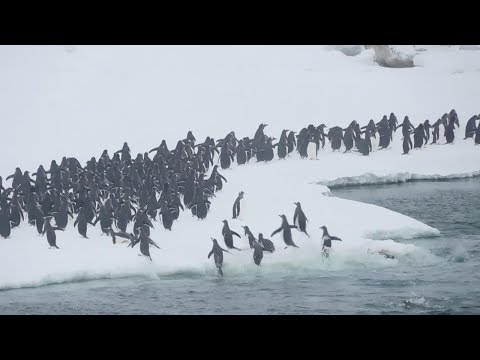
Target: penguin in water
<point>217,252</point>
<point>50,230</point>
<point>228,235</point>
<point>299,218</point>
<point>257,253</point>
<point>250,236</point>
<point>266,243</point>
<point>327,241</point>
<point>236,205</point>
<point>287,231</point>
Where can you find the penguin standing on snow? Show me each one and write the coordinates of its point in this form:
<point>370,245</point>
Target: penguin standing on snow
<point>327,241</point>
<point>50,230</point>
<point>236,205</point>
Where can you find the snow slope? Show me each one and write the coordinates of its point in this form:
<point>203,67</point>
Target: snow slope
<point>56,102</point>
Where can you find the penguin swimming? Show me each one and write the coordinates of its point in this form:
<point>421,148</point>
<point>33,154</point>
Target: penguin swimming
<point>217,252</point>
<point>287,231</point>
<point>327,241</point>
<point>299,218</point>
<point>236,205</point>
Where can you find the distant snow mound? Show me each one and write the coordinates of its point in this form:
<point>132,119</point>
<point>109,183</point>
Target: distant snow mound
<point>349,50</point>
<point>469,47</point>
<point>69,48</point>
<point>392,57</point>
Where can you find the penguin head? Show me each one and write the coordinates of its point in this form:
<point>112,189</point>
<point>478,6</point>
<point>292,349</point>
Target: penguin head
<point>297,203</point>
<point>225,222</point>
<point>323,227</point>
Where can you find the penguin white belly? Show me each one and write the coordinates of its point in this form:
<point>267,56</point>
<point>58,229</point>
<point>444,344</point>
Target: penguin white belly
<point>243,206</point>
<point>375,141</point>
<point>312,150</point>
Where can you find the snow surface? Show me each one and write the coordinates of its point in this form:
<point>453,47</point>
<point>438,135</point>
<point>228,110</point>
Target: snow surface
<point>79,100</point>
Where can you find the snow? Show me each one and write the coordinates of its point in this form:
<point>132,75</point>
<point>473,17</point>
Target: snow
<point>79,100</point>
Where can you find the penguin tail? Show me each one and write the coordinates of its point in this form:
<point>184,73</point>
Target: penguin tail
<point>56,246</point>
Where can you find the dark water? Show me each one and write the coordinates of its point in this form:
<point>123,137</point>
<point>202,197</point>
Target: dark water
<point>450,285</point>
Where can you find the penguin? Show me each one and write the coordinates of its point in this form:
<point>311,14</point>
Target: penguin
<point>250,236</point>
<point>407,127</point>
<point>471,127</point>
<point>282,145</point>
<point>145,243</point>
<point>167,219</point>
<point>426,129</point>
<point>259,135</point>
<point>349,137</point>
<point>299,218</point>
<point>287,232</point>
<point>449,131</point>
<point>50,230</point>
<point>241,153</point>
<point>257,253</point>
<point>266,243</point>
<point>392,121</point>
<point>477,136</point>
<point>419,136</point>
<point>436,131</point>
<point>291,142</point>
<point>228,235</point>
<point>217,252</point>
<point>82,222</point>
<point>124,235</point>
<point>311,149</point>
<point>327,241</point>
<point>335,135</point>
<point>236,205</point>
<point>5,227</point>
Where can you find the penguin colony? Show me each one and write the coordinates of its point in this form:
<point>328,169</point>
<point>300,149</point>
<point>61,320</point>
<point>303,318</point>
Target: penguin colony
<point>117,191</point>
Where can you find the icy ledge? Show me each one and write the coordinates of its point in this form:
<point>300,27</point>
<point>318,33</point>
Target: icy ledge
<point>373,179</point>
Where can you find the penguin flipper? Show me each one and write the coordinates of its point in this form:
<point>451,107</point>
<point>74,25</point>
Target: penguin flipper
<point>234,233</point>
<point>276,231</point>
